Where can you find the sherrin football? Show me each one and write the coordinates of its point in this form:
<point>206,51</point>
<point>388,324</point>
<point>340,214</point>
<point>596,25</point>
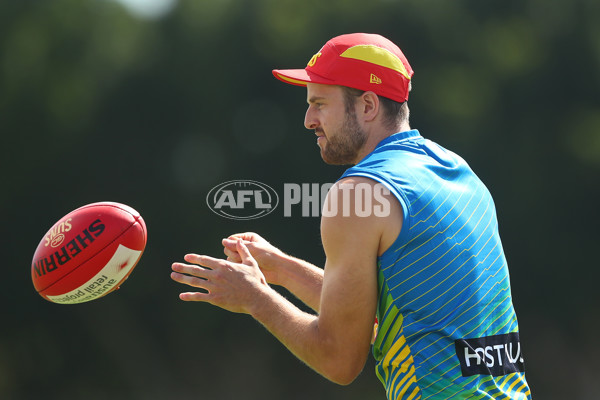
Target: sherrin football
<point>88,253</point>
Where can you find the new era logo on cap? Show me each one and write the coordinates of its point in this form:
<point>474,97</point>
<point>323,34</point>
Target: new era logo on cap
<point>375,79</point>
<point>359,60</point>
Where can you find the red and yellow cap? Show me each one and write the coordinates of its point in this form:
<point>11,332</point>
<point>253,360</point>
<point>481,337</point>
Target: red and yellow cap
<point>362,61</point>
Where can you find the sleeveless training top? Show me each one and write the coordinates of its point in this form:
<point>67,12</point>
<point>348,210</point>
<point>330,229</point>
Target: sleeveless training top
<point>447,327</point>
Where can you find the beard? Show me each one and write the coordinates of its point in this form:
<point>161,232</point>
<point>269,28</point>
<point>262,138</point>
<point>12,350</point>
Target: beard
<point>342,148</point>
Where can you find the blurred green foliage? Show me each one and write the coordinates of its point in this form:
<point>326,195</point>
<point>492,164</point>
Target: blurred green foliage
<point>97,104</point>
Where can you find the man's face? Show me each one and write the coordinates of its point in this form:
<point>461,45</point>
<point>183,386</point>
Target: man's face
<point>340,136</point>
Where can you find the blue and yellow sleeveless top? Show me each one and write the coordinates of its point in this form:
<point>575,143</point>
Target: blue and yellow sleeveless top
<point>447,327</point>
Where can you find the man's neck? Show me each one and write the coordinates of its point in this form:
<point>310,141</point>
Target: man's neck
<point>375,138</point>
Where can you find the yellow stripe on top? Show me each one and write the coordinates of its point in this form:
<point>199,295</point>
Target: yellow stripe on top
<point>393,352</point>
<point>376,55</point>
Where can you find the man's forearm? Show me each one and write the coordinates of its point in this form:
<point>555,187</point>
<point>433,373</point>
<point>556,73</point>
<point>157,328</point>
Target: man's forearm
<point>303,279</point>
<point>299,332</point>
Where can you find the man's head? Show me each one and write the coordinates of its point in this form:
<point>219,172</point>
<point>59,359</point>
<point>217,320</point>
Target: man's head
<point>357,87</point>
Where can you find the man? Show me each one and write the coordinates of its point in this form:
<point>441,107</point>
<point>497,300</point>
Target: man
<point>427,259</point>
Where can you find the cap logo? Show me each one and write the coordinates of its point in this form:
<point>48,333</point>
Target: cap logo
<point>376,55</point>
<point>313,60</point>
<point>375,79</point>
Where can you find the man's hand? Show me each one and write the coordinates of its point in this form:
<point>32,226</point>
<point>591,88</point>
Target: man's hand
<point>300,277</point>
<point>233,286</point>
<point>268,257</point>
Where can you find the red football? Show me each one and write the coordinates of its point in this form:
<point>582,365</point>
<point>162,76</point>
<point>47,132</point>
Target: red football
<point>88,253</point>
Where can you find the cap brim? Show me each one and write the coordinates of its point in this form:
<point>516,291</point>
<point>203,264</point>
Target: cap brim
<point>300,77</point>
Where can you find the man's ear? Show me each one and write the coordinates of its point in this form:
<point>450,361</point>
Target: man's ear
<point>369,102</point>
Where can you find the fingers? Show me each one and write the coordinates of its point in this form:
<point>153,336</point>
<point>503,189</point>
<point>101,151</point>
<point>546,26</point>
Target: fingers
<point>194,296</point>
<point>230,243</point>
<point>195,275</point>
<point>247,236</point>
<point>219,281</point>
<point>188,269</point>
<point>243,236</point>
<point>244,253</point>
<point>237,251</point>
<point>230,246</point>
<point>205,261</point>
<point>230,250</point>
<point>191,275</point>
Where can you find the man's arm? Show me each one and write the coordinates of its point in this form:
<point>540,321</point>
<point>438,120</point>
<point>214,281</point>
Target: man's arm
<point>334,343</point>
